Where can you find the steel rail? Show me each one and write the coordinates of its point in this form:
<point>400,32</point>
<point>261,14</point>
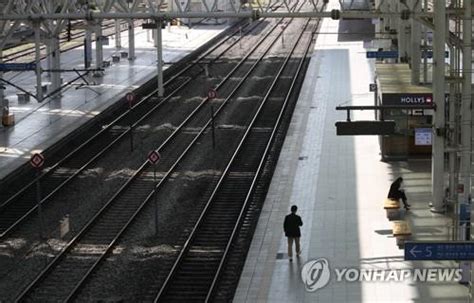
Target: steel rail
<point>112,143</point>
<point>123,115</point>
<point>200,220</point>
<point>93,220</point>
<point>242,213</point>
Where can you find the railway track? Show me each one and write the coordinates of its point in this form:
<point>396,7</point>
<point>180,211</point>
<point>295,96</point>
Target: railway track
<point>197,271</point>
<point>22,204</point>
<point>107,226</point>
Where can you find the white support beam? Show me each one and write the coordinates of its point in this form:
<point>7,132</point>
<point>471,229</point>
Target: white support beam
<point>466,110</point>
<point>99,54</point>
<point>131,40</point>
<point>159,60</point>
<point>415,45</point>
<point>118,35</point>
<point>437,160</point>
<point>56,62</point>
<point>39,90</point>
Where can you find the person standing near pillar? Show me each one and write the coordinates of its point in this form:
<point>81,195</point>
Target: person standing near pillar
<point>291,226</point>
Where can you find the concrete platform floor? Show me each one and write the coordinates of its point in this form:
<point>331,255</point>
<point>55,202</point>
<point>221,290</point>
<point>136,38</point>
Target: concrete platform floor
<point>339,185</point>
<point>40,125</point>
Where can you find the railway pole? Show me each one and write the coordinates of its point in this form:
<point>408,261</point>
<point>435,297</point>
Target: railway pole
<point>37,161</point>
<point>240,34</point>
<point>38,202</point>
<point>154,157</point>
<point>213,129</point>
<point>211,95</point>
<point>155,200</point>
<point>130,99</point>
<point>283,36</point>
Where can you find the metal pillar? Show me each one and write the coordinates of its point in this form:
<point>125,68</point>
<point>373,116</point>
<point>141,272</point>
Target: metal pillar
<point>56,58</point>
<point>88,47</point>
<point>99,54</point>
<point>159,53</point>
<point>402,41</point>
<point>131,40</point>
<point>437,160</point>
<point>39,90</point>
<point>415,46</point>
<point>49,59</point>
<point>452,140</point>
<point>118,37</point>
<point>425,58</point>
<point>466,115</point>
<point>3,100</point>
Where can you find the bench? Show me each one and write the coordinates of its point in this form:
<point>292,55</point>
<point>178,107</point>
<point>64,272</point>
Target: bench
<point>401,231</point>
<point>392,207</point>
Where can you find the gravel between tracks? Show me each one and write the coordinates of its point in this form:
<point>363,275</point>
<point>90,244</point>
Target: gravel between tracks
<point>141,257</point>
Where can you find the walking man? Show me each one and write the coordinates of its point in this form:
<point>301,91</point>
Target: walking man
<point>291,226</point>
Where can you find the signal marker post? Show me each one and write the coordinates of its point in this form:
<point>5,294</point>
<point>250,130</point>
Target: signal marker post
<point>240,34</point>
<point>211,95</point>
<point>154,157</point>
<point>282,35</point>
<point>130,97</point>
<point>37,161</point>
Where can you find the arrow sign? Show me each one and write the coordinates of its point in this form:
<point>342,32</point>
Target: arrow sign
<point>37,160</point>
<point>431,250</point>
<point>154,157</point>
<point>414,252</point>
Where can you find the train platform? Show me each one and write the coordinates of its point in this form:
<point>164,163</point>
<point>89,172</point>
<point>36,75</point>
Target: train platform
<point>339,185</point>
<point>40,125</point>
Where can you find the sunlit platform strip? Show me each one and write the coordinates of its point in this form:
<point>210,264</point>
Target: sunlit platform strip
<point>339,185</point>
<point>40,125</point>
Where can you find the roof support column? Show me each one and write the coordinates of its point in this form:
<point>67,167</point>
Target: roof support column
<point>99,54</point>
<point>39,90</point>
<point>118,37</point>
<point>3,100</point>
<point>159,61</point>
<point>49,63</point>
<point>131,40</point>
<point>437,160</point>
<point>402,41</point>
<point>56,62</point>
<point>88,46</point>
<point>415,46</point>
<point>466,114</point>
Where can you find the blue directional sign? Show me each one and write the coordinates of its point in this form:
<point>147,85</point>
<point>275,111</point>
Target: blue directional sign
<point>429,54</point>
<point>17,66</point>
<point>382,54</point>
<point>428,250</point>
